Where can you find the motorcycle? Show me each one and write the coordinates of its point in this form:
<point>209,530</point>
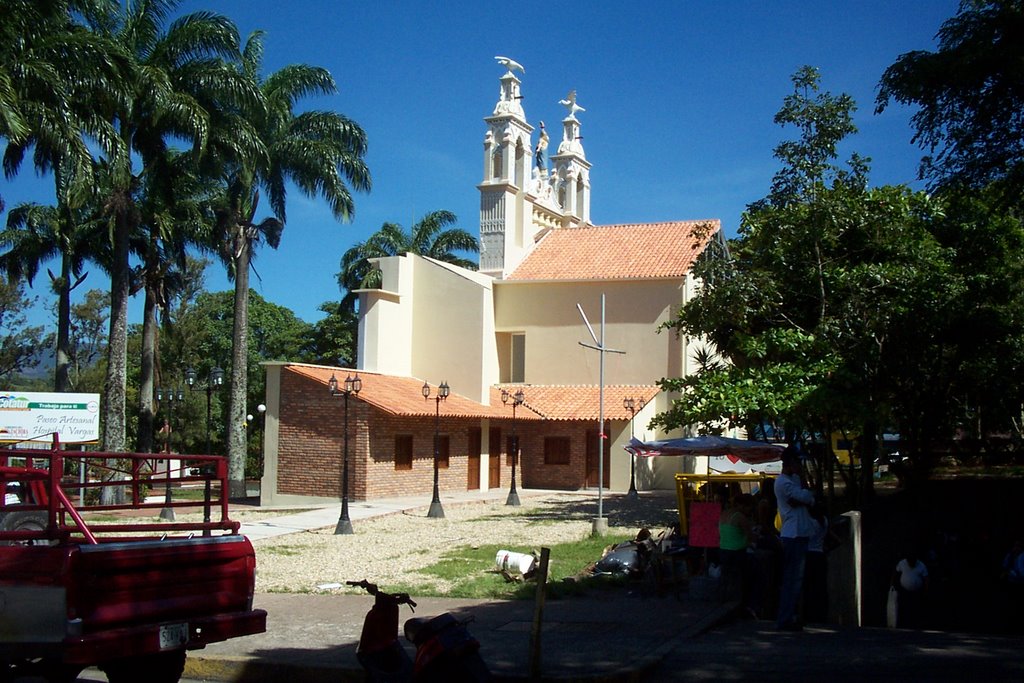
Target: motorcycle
<point>445,650</point>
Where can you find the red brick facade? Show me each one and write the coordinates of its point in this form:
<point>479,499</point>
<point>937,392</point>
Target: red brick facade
<point>311,445</point>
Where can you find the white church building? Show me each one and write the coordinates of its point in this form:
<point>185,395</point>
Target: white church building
<point>563,310</point>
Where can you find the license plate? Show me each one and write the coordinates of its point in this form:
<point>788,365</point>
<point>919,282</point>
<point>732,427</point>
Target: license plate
<point>173,636</point>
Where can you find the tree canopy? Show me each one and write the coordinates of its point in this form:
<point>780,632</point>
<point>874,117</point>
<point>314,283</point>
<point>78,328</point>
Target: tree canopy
<point>969,94</point>
<point>842,307</point>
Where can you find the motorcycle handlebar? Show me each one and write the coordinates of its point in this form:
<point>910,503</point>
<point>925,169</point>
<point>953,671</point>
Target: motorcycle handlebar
<point>396,598</point>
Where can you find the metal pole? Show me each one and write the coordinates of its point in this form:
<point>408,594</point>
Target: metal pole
<point>513,495</point>
<point>205,469</point>
<point>599,524</point>
<point>436,511</point>
<point>167,513</point>
<point>344,523</point>
<point>631,406</point>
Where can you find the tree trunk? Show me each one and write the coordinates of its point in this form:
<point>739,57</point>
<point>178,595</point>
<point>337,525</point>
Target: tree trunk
<point>114,428</point>
<point>147,374</point>
<point>117,344</point>
<point>236,428</point>
<point>62,376</point>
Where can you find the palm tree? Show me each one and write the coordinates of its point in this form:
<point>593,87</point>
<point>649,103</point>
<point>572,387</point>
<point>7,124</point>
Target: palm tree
<point>34,235</point>
<point>53,72</point>
<point>174,218</point>
<point>179,73</point>
<point>428,237</point>
<point>318,152</point>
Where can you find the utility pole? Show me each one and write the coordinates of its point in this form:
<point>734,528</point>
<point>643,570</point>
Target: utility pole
<point>600,525</point>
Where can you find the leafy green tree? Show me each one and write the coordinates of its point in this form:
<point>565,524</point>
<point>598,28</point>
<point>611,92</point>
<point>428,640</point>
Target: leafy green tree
<point>335,336</point>
<point>812,309</point>
<point>203,335</point>
<point>970,93</point>
<point>88,341</point>
<point>19,342</point>
<point>34,235</point>
<point>430,236</point>
<point>319,152</point>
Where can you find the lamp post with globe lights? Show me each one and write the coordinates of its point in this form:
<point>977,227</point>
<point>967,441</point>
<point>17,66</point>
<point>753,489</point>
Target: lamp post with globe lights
<point>436,511</point>
<point>517,400</point>
<point>352,385</point>
<point>168,396</point>
<point>213,380</point>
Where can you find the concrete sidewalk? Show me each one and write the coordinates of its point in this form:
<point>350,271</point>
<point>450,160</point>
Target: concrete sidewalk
<point>613,635</point>
<point>610,636</point>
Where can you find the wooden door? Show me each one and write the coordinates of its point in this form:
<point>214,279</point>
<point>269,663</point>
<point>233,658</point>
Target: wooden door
<point>592,462</point>
<point>494,461</point>
<point>473,466</point>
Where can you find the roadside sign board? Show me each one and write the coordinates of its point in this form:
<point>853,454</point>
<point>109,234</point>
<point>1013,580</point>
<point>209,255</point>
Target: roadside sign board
<point>35,416</point>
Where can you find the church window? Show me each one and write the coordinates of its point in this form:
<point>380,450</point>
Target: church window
<point>496,162</point>
<point>518,364</point>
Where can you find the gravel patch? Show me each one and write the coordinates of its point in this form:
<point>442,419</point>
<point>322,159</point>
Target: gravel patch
<point>390,550</point>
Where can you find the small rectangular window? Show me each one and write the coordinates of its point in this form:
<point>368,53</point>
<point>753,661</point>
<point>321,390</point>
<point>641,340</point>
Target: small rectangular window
<point>518,366</point>
<point>556,450</point>
<point>403,452</point>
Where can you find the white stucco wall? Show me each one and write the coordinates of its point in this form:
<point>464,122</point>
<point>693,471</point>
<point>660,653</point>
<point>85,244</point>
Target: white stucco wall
<point>546,313</point>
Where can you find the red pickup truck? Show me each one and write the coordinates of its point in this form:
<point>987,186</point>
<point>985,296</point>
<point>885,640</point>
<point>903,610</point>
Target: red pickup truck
<point>89,584</point>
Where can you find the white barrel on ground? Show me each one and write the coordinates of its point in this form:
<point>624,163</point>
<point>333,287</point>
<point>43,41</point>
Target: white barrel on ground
<point>515,562</point>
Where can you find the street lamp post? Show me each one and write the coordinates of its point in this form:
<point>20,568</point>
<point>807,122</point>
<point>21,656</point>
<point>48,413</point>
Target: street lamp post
<point>214,379</point>
<point>436,511</point>
<point>352,386</point>
<point>262,410</point>
<point>170,396</point>
<point>517,400</point>
<point>632,405</point>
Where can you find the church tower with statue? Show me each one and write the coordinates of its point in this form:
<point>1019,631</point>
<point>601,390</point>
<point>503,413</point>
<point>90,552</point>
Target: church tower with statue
<point>521,198</point>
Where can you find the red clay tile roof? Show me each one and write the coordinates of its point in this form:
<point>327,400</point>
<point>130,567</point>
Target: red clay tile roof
<point>401,396</point>
<point>575,402</point>
<point>616,252</point>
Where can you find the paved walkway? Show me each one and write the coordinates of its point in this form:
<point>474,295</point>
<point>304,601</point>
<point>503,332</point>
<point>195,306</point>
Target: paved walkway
<point>608,636</point>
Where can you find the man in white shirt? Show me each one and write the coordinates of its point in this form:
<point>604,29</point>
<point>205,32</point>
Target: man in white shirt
<point>794,501</point>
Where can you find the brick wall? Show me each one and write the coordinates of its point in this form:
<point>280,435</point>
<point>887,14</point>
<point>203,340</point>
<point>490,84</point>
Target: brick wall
<point>311,445</point>
<point>535,474</point>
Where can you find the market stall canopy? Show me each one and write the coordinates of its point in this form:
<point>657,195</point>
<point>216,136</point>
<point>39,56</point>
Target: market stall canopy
<point>749,452</point>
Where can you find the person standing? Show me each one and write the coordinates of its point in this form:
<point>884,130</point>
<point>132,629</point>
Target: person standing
<point>816,571</point>
<point>794,502</point>
<point>734,532</point>
<point>911,581</point>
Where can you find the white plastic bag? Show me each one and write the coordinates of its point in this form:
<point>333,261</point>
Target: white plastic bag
<point>892,607</point>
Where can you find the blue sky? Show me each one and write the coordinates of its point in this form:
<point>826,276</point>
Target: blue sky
<point>679,100</point>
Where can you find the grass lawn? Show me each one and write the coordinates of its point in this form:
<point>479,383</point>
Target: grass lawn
<point>470,572</point>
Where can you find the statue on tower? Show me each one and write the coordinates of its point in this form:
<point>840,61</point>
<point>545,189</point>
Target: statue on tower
<point>542,145</point>
<point>510,64</point>
<point>570,103</point>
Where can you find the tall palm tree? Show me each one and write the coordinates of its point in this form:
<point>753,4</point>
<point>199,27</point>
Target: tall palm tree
<point>34,235</point>
<point>174,218</point>
<point>54,72</point>
<point>180,70</point>
<point>318,152</point>
<point>430,236</point>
